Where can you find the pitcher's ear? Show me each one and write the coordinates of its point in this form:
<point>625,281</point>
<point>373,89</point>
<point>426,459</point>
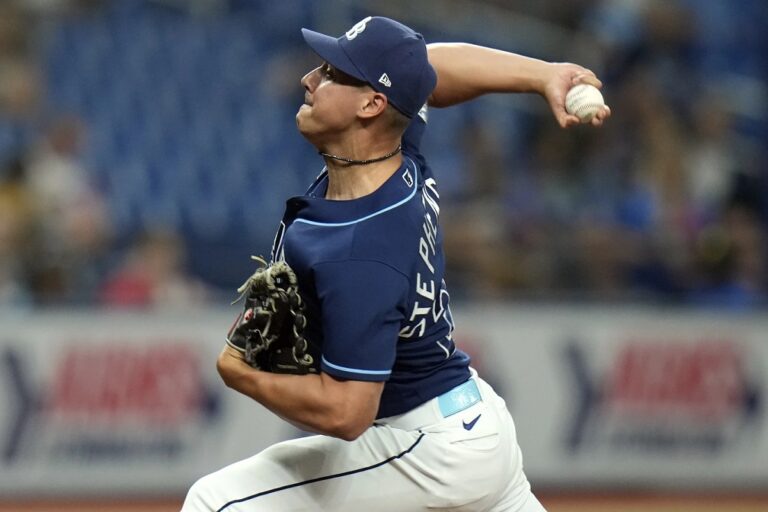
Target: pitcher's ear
<point>373,104</point>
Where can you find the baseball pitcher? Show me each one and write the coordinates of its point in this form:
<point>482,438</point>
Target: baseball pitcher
<point>347,332</point>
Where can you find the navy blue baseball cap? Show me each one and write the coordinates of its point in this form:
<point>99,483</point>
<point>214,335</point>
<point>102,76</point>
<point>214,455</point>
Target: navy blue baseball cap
<point>386,54</point>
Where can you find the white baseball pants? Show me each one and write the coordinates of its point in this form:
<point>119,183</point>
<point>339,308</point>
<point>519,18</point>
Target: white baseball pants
<point>418,461</point>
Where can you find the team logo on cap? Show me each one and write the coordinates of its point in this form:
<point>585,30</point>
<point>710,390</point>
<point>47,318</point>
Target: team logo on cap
<point>385,80</point>
<point>358,28</point>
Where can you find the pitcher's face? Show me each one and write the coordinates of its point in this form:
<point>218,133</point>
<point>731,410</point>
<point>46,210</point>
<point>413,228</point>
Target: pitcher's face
<point>331,102</point>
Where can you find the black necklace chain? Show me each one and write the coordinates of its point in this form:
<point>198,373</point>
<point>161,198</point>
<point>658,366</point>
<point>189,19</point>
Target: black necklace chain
<point>350,161</point>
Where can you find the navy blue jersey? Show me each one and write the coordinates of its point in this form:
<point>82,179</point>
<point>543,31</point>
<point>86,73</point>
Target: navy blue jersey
<point>371,273</point>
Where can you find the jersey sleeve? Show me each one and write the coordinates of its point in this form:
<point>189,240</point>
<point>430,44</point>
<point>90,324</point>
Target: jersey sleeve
<point>362,304</point>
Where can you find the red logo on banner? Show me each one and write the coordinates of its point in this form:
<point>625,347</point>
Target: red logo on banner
<point>703,379</point>
<point>158,384</point>
<point>693,394</point>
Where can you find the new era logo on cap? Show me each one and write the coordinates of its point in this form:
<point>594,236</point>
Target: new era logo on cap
<point>385,80</point>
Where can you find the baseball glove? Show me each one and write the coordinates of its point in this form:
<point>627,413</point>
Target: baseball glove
<point>269,332</point>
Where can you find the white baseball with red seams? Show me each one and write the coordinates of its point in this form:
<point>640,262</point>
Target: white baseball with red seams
<point>584,101</point>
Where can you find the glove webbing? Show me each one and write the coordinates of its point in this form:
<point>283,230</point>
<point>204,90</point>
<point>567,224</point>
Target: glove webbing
<point>269,284</point>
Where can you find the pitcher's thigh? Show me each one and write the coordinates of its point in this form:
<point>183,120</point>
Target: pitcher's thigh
<point>318,473</point>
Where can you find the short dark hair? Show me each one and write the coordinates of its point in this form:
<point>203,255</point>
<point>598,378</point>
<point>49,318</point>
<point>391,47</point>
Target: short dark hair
<point>397,120</point>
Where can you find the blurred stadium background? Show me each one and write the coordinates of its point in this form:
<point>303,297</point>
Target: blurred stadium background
<point>618,298</point>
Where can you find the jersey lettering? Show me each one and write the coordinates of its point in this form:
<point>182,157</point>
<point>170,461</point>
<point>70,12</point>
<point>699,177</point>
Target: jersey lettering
<point>432,197</point>
<point>432,301</point>
<point>430,233</point>
<point>419,311</point>
<point>425,288</point>
<point>410,332</point>
<point>424,253</point>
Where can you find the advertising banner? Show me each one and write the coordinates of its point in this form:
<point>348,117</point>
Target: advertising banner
<point>100,403</point>
<point>631,397</point>
<point>106,403</point>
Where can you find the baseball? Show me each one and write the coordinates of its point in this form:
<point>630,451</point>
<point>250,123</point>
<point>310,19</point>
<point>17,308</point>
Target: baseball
<point>584,101</point>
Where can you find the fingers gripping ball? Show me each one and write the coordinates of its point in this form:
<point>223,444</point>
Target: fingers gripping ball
<point>584,101</point>
<point>269,332</point>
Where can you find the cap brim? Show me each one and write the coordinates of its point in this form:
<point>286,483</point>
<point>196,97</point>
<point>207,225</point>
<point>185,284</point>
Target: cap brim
<point>329,49</point>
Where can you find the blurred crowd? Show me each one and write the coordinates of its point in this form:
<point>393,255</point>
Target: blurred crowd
<point>57,245</point>
<point>667,203</point>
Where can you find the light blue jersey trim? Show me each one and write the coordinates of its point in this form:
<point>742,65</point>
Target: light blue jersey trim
<point>374,214</point>
<point>356,370</point>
